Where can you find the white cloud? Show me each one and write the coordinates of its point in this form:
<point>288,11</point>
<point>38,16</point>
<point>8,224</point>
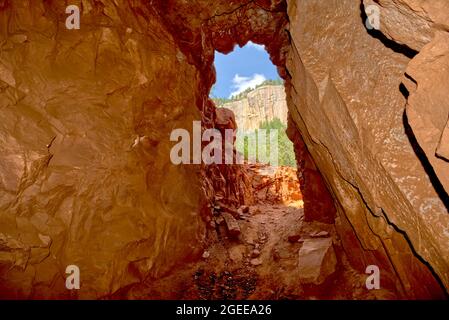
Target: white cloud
<point>240,84</point>
<point>256,46</point>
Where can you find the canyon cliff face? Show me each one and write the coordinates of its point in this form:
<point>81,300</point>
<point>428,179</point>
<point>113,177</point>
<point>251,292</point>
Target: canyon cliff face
<point>85,171</point>
<point>262,104</point>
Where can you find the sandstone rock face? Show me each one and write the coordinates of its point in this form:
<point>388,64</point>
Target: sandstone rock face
<point>411,22</point>
<point>262,104</point>
<point>227,183</point>
<point>85,174</point>
<point>423,26</point>
<point>443,145</point>
<point>318,202</point>
<point>349,109</point>
<point>428,106</point>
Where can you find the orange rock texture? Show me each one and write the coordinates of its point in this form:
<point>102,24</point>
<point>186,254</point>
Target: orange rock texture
<point>85,171</point>
<point>86,177</point>
<point>273,185</point>
<point>352,120</point>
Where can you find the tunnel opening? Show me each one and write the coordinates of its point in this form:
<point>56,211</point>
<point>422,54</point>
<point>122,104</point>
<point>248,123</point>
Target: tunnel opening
<point>257,224</point>
<point>250,98</point>
<point>95,186</point>
<point>249,88</point>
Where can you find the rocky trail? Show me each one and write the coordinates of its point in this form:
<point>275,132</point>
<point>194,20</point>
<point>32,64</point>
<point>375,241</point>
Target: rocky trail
<point>258,263</point>
<point>277,256</point>
<point>265,251</point>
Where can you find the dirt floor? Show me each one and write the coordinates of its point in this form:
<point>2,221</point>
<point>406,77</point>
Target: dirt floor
<point>261,262</point>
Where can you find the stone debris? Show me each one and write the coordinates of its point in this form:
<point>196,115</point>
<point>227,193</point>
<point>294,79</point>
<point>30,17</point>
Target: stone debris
<point>317,261</point>
<point>226,208</point>
<point>255,253</point>
<point>256,262</point>
<point>232,225</point>
<point>274,185</point>
<point>219,220</point>
<point>236,253</point>
<point>320,234</point>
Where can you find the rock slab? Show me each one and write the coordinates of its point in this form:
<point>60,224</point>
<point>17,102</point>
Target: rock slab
<point>317,261</point>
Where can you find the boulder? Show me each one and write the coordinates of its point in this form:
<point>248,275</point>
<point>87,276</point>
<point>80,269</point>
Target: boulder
<point>232,225</point>
<point>236,253</point>
<point>317,261</point>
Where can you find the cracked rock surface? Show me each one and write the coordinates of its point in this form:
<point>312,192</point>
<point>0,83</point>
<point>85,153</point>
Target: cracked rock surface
<point>86,116</point>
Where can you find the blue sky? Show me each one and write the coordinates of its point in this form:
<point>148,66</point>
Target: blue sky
<point>241,69</point>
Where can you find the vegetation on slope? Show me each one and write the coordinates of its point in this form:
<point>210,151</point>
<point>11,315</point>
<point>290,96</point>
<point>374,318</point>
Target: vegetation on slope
<point>286,154</point>
<point>221,101</point>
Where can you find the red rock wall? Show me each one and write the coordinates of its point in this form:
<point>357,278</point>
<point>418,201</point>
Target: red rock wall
<point>75,187</point>
<point>349,108</point>
<point>85,176</point>
<point>318,202</point>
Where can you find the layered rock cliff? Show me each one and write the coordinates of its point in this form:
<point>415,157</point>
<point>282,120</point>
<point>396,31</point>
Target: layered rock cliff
<point>85,173</point>
<point>262,104</point>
